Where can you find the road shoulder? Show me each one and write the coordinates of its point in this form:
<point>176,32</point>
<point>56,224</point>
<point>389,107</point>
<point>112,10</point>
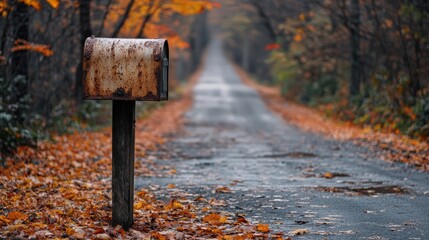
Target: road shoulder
<point>387,146</point>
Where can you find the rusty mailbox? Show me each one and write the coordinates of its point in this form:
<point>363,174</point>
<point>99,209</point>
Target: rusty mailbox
<point>125,71</point>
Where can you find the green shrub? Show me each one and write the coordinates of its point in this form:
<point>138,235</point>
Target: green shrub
<point>17,125</point>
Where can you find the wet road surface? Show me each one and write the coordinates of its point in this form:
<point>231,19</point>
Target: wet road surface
<point>283,176</point>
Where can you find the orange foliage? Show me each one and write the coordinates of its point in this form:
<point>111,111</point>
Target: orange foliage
<point>156,9</point>
<point>36,4</point>
<point>21,45</point>
<point>33,3</point>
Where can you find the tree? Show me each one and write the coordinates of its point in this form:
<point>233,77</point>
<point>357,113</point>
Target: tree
<point>85,32</point>
<point>354,28</point>
<point>19,62</point>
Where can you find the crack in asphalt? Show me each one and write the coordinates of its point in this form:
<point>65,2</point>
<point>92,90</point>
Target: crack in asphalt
<point>283,176</point>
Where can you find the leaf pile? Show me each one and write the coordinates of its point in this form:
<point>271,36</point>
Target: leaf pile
<point>62,189</point>
<point>389,146</point>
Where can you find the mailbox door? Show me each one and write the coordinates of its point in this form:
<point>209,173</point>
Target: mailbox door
<point>164,78</point>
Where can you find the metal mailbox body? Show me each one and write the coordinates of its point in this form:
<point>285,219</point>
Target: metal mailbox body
<point>125,69</point>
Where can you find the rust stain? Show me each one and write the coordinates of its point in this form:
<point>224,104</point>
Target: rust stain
<point>126,69</point>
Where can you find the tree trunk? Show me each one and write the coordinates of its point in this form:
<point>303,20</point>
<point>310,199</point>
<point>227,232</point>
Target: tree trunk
<point>123,19</point>
<point>85,32</point>
<point>356,67</point>
<point>19,60</point>
<point>199,39</point>
<point>20,21</point>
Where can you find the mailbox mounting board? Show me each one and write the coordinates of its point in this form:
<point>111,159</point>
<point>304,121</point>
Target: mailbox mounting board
<point>125,69</point>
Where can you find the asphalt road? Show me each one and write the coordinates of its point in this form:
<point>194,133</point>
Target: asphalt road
<point>278,172</point>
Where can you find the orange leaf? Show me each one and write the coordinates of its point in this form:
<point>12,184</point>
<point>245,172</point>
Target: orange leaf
<point>15,216</point>
<point>262,228</point>
<point>241,219</point>
<point>223,190</point>
<point>328,175</point>
<point>173,204</point>
<point>69,231</point>
<point>215,219</point>
<point>158,236</point>
<point>4,219</point>
<point>53,3</point>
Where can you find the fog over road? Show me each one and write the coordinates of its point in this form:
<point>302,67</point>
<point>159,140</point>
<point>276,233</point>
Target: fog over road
<point>276,171</point>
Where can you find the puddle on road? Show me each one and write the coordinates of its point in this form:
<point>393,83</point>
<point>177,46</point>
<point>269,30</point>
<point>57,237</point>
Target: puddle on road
<point>365,191</point>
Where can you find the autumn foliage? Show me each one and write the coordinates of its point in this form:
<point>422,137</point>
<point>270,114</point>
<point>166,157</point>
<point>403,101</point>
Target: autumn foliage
<point>360,61</point>
<point>41,49</point>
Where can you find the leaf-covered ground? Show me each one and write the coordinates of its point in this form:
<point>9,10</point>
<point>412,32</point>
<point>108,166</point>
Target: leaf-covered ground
<point>62,189</point>
<point>388,146</point>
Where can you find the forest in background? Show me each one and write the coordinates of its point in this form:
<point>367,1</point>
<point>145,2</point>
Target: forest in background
<point>362,61</point>
<point>41,44</point>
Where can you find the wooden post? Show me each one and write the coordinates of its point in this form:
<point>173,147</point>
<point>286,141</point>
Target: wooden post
<point>123,162</point>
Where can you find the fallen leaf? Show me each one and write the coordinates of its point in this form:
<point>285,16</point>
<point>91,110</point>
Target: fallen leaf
<point>43,234</point>
<point>69,231</point>
<point>300,231</point>
<point>4,219</point>
<point>12,216</point>
<point>102,236</point>
<point>328,175</point>
<point>215,219</point>
<point>220,203</point>
<point>241,219</point>
<point>200,199</point>
<point>158,236</point>
<point>173,205</point>
<point>264,228</point>
<point>223,190</point>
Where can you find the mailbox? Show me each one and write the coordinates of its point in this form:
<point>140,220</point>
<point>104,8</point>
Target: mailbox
<point>125,69</point>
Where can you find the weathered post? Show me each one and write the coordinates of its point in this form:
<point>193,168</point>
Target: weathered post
<point>125,71</point>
